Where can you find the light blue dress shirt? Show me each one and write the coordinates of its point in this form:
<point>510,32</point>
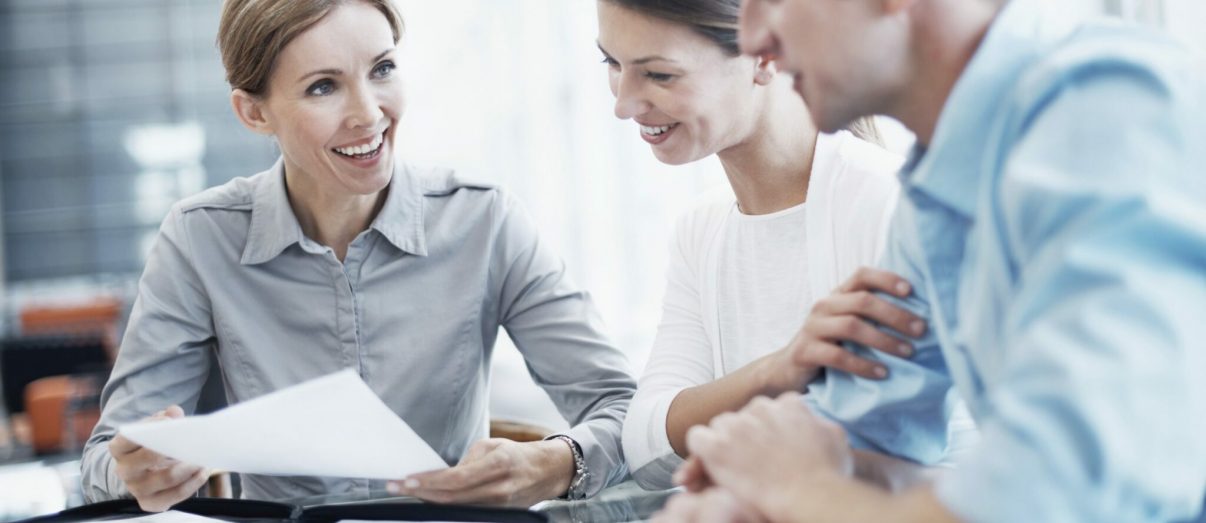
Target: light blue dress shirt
<point>1056,226</point>
<point>414,307</point>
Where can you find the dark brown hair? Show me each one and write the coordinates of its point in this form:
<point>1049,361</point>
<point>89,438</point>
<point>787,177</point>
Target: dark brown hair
<point>252,34</point>
<point>714,19</point>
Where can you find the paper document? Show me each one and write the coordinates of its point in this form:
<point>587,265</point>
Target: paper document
<point>329,426</point>
<point>171,516</point>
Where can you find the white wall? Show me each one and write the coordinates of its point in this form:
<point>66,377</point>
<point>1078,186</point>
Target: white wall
<point>514,92</point>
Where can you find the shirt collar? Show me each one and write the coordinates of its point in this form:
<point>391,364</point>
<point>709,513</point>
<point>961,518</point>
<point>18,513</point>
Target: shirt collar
<point>401,218</point>
<point>274,227</point>
<point>951,169</point>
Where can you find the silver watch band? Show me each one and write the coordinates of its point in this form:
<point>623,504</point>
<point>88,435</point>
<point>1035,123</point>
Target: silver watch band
<point>577,487</point>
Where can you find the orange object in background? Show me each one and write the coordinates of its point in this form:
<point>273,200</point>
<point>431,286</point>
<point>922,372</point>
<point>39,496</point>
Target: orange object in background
<point>516,431</point>
<point>99,315</point>
<point>61,411</point>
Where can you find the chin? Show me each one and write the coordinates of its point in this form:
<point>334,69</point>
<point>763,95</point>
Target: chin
<point>674,158</point>
<point>379,183</point>
<point>831,121</point>
<point>366,185</point>
<point>829,124</point>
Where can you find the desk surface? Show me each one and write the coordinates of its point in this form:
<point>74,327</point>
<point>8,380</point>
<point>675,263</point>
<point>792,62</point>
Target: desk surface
<point>621,503</point>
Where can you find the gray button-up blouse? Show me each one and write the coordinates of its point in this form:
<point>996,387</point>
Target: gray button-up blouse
<point>415,308</point>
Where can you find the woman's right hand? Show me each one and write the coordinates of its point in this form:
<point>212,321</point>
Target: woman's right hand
<point>846,315</point>
<point>155,480</point>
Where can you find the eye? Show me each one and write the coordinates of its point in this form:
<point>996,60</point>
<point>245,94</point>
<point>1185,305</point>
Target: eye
<point>384,69</point>
<point>611,62</point>
<point>659,77</point>
<point>321,88</point>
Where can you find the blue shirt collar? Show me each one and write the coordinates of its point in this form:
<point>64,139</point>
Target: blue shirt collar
<point>274,227</point>
<point>951,169</point>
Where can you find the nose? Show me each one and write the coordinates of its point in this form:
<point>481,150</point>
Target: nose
<point>363,108</point>
<point>630,99</point>
<point>753,34</point>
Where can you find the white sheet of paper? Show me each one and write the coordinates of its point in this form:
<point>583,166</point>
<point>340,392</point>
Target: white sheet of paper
<point>171,516</point>
<point>328,426</point>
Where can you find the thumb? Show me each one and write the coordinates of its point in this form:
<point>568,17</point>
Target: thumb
<point>173,412</point>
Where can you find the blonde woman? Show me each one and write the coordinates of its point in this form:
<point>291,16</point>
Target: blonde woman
<point>338,256</point>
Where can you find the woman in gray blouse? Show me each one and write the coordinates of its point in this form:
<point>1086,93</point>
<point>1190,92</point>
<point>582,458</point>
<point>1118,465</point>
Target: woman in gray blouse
<point>339,257</point>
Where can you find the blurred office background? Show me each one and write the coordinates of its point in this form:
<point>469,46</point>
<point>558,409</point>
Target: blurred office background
<point>114,109</point>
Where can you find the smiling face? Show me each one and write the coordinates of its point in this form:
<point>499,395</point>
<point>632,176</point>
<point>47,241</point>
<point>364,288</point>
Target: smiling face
<point>845,56</point>
<point>333,102</point>
<point>689,98</point>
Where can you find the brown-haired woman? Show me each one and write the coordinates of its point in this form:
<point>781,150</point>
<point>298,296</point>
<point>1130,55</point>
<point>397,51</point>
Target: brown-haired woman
<point>807,210</point>
<point>339,257</point>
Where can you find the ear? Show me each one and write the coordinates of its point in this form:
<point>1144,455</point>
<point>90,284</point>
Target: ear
<point>250,111</point>
<point>764,70</point>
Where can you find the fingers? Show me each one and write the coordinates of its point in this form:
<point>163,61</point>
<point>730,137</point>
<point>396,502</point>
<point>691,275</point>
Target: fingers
<point>864,304</point>
<point>680,508</point>
<point>155,480</point>
<point>177,474</point>
<point>822,354</point>
<point>460,477</point>
<point>791,398</point>
<point>503,492</point>
<point>869,279</point>
<point>692,475</point>
<point>120,445</point>
<point>480,477</point>
<point>137,468</point>
<point>702,440</point>
<point>712,505</point>
<point>190,480</point>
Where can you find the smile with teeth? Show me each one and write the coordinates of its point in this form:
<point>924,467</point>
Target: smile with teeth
<point>365,150</point>
<point>656,130</point>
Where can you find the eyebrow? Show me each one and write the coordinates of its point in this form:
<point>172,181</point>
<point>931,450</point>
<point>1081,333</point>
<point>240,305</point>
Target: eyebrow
<point>639,61</point>
<point>337,72</point>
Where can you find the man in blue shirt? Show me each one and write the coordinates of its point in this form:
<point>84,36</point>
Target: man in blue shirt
<point>1053,218</point>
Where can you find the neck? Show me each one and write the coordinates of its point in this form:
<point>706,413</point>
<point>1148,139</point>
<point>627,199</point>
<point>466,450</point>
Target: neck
<point>769,171</point>
<point>333,220</point>
<point>948,34</point>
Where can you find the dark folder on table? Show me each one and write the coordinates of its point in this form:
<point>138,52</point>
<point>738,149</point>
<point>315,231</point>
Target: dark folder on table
<point>247,511</point>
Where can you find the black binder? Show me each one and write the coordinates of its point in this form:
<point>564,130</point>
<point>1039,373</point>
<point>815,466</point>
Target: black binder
<point>247,511</point>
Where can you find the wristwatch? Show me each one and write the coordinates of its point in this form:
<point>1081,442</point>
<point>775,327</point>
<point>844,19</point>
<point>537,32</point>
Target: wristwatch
<point>577,487</point>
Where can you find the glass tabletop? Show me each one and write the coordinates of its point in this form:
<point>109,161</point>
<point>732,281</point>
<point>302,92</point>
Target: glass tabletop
<point>622,503</point>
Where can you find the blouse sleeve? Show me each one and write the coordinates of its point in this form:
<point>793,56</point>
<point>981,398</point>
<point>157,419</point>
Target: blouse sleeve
<point>164,357</point>
<point>681,358</point>
<point>558,329</point>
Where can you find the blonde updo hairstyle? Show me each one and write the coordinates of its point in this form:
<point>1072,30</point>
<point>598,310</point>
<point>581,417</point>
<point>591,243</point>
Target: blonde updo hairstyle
<point>252,34</point>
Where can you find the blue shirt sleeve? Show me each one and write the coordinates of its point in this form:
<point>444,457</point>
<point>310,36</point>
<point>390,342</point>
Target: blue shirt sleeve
<point>1096,405</point>
<point>906,415</point>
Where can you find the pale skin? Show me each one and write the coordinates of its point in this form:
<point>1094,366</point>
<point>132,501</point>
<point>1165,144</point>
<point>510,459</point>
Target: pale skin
<point>777,460</point>
<point>665,74</point>
<point>334,87</point>
<point>156,481</point>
